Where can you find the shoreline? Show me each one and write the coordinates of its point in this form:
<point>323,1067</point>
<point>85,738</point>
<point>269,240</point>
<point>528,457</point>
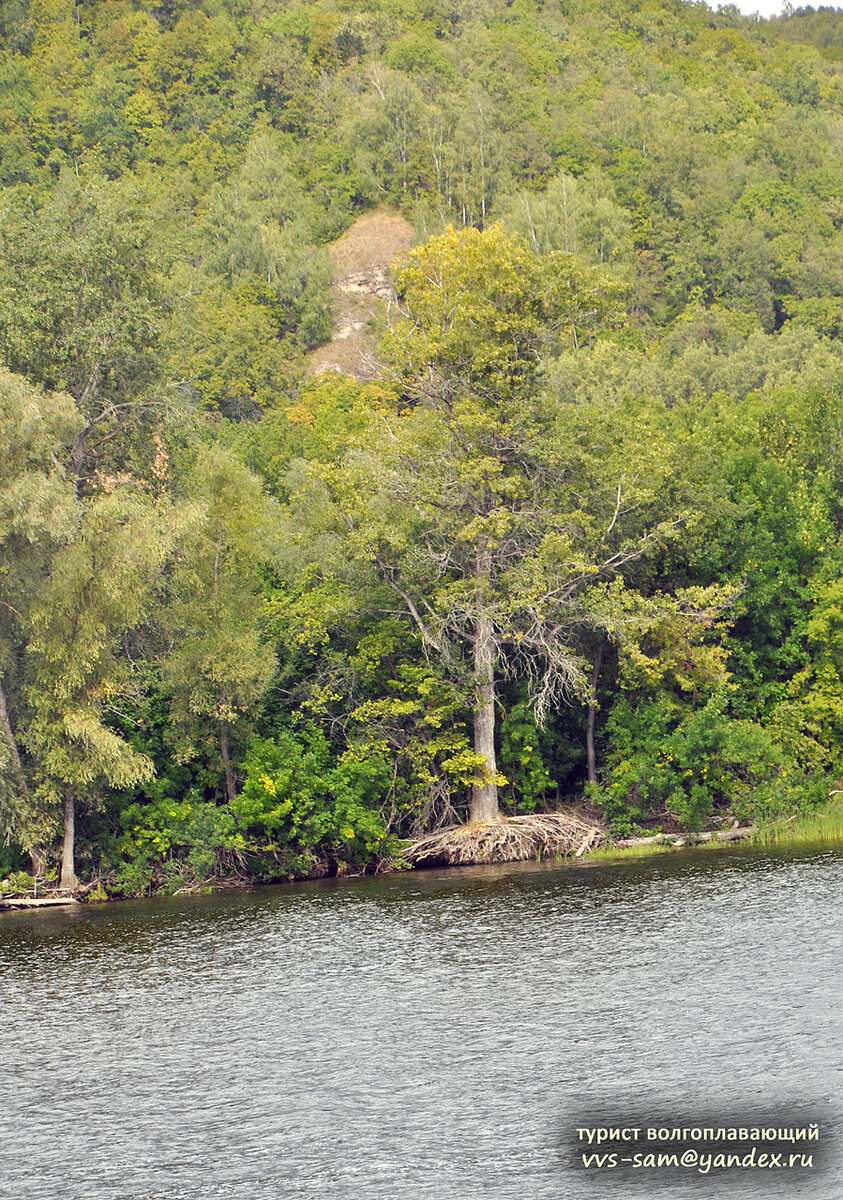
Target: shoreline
<point>819,829</point>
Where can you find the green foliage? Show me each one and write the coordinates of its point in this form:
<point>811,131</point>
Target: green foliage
<point>38,513</point>
<point>578,216</point>
<point>418,722</point>
<point>522,760</point>
<point>81,295</point>
<point>218,666</point>
<point>18,883</point>
<point>98,590</point>
<point>294,794</point>
<point>37,510</point>
<point>483,306</point>
<point>608,433</point>
<point>815,705</point>
<point>11,860</point>
<point>691,767</point>
<point>238,364</point>
<point>170,843</point>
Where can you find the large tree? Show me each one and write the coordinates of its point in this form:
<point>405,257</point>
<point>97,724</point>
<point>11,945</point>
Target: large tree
<point>77,576</point>
<point>38,512</point>
<point>489,511</point>
<point>99,590</point>
<point>82,298</point>
<point>218,667</point>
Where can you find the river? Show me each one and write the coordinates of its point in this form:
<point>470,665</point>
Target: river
<point>424,1035</point>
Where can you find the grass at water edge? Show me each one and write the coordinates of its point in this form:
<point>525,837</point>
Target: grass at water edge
<point>822,826</point>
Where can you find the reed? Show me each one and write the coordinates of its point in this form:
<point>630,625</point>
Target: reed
<point>822,825</point>
<point>609,853</point>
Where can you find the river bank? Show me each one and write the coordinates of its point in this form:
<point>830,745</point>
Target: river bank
<point>817,828</point>
<point>825,826</point>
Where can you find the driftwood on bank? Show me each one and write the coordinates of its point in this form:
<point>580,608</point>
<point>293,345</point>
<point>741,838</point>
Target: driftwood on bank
<point>510,839</point>
<point>40,902</point>
<point>688,839</point>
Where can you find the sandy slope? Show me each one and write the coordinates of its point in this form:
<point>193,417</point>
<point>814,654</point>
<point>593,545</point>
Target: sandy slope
<point>361,292</point>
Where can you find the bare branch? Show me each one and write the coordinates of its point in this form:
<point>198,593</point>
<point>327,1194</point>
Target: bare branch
<point>617,511</point>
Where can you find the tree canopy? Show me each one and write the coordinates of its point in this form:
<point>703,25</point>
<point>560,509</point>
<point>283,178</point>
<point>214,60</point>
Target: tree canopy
<point>576,535</point>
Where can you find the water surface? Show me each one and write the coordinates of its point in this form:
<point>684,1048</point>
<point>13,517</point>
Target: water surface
<point>425,1035</point>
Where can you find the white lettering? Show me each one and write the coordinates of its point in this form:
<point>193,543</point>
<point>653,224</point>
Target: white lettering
<point>600,1160</point>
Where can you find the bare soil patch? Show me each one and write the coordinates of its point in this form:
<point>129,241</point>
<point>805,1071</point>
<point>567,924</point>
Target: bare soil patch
<point>361,292</point>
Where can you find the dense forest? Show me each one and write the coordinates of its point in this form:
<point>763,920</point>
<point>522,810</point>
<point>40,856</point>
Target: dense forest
<point>577,538</point>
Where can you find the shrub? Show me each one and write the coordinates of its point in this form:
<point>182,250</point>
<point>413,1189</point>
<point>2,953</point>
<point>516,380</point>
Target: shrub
<point>294,797</point>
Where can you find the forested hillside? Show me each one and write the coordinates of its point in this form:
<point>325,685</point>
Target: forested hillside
<point>579,538</point>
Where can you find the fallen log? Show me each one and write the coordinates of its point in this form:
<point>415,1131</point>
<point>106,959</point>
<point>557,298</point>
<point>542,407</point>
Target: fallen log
<point>688,839</point>
<point>595,835</point>
<point>41,902</point>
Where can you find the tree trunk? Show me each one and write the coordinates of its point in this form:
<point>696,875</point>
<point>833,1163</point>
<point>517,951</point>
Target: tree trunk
<point>484,792</point>
<point>77,453</point>
<point>68,881</point>
<point>36,854</point>
<point>39,864</point>
<point>9,735</point>
<point>230,783</point>
<point>592,713</point>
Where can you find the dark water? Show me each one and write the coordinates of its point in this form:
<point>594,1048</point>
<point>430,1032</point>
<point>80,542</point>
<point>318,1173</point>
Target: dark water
<point>423,1036</point>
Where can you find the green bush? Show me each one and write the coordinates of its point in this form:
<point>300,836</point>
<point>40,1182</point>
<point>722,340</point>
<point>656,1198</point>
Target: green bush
<point>695,766</point>
<point>17,884</point>
<point>293,796</point>
<point>169,838</point>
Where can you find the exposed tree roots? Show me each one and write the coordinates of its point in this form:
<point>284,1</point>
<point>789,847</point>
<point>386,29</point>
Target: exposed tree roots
<point>511,839</point>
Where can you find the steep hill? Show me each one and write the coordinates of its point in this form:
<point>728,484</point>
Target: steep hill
<point>696,152</point>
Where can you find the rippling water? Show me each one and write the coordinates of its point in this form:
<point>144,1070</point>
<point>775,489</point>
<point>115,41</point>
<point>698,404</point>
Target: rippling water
<point>425,1035</point>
